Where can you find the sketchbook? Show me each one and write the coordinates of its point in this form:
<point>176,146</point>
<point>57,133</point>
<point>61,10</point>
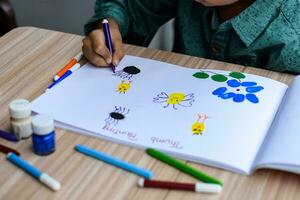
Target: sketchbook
<point>230,120</point>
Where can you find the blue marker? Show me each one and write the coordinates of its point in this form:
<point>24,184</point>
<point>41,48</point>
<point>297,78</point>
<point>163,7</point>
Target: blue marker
<point>36,173</point>
<point>114,161</point>
<point>68,73</point>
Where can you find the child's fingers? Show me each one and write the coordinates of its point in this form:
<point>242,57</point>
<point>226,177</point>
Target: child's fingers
<point>98,45</point>
<point>89,53</point>
<point>95,50</point>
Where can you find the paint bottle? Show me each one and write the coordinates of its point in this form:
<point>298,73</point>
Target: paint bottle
<point>43,137</point>
<point>20,113</point>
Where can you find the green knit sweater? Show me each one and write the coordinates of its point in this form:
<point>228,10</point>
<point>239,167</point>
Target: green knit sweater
<point>265,35</point>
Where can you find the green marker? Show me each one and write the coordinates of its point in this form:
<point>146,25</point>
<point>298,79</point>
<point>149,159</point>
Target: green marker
<point>182,166</point>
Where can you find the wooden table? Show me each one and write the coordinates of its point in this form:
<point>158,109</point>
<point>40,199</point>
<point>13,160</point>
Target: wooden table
<point>29,57</point>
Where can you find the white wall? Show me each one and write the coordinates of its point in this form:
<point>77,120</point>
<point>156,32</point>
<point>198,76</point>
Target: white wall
<point>70,16</point>
<point>61,15</point>
<point>164,38</point>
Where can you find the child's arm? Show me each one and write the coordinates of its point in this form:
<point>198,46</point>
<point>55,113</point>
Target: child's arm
<point>138,18</point>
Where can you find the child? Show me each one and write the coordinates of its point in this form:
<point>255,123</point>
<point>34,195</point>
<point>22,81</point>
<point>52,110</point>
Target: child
<point>260,33</point>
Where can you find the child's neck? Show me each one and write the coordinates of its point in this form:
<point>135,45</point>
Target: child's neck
<point>232,10</point>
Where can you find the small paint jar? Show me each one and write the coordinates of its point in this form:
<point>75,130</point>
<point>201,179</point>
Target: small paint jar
<point>43,137</point>
<point>20,113</point>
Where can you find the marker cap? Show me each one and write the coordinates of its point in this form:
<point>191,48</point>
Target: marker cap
<point>50,182</point>
<point>79,56</point>
<point>104,21</point>
<point>42,124</point>
<point>75,67</point>
<point>208,188</point>
<point>19,108</point>
<point>141,182</point>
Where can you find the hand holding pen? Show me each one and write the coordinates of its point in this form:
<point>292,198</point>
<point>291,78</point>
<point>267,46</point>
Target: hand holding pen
<point>95,47</point>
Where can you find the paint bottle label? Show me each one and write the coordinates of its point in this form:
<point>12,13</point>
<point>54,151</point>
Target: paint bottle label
<point>20,113</point>
<point>43,137</point>
<point>43,144</point>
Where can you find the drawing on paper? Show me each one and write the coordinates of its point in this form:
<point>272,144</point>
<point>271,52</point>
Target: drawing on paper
<point>237,89</point>
<point>198,127</point>
<point>127,72</point>
<point>124,86</point>
<point>175,99</point>
<point>219,77</point>
<point>117,115</point>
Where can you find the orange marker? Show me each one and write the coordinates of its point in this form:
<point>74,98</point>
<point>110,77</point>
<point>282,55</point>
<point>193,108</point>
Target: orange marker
<point>72,62</point>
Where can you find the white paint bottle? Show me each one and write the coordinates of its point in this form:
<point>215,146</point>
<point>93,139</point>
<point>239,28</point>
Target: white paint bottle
<point>20,113</point>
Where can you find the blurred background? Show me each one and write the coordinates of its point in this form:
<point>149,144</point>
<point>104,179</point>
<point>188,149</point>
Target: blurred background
<point>69,16</point>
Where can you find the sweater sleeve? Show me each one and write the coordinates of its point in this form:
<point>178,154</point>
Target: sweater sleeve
<point>136,18</point>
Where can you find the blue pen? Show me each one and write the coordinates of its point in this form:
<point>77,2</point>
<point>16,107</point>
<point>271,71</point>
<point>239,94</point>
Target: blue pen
<point>36,173</point>
<point>8,136</point>
<point>114,161</point>
<point>108,41</point>
<point>68,73</point>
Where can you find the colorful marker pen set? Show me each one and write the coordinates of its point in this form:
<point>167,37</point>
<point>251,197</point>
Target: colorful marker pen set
<point>210,185</point>
<point>68,66</point>
<point>43,139</point>
<point>65,75</point>
<point>67,70</point>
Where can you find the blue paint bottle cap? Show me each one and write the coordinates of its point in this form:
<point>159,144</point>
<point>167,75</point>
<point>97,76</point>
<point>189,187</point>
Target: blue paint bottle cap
<point>42,124</point>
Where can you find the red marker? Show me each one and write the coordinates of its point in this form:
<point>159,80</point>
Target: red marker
<point>6,150</point>
<point>198,187</point>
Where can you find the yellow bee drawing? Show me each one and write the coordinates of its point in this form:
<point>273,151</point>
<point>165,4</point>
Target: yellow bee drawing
<point>175,99</point>
<point>124,86</point>
<point>198,127</point>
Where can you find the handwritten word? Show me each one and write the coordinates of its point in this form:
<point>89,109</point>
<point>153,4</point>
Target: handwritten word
<point>166,141</point>
<point>131,136</point>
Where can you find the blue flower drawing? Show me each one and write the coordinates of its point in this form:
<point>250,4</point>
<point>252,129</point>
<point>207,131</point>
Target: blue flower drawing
<point>239,91</point>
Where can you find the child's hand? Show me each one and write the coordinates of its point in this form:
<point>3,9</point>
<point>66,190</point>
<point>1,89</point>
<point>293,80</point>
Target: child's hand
<point>95,50</point>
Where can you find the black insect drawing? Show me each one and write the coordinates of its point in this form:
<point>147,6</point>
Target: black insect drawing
<point>117,115</point>
<point>127,72</point>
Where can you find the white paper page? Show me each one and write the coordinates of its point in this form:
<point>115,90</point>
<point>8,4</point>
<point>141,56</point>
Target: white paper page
<point>89,100</point>
<point>281,150</point>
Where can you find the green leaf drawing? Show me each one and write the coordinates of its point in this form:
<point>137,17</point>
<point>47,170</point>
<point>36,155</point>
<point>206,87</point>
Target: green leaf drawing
<point>219,78</point>
<point>201,75</point>
<point>237,75</point>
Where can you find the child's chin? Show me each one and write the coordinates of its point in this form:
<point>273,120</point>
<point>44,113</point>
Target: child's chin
<point>204,3</point>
